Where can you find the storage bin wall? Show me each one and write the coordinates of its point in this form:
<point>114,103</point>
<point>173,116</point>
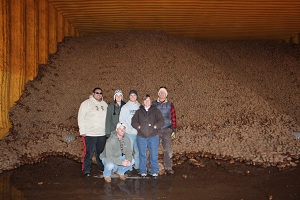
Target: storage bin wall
<point>30,31</point>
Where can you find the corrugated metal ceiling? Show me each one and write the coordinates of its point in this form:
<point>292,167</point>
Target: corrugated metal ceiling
<point>204,19</point>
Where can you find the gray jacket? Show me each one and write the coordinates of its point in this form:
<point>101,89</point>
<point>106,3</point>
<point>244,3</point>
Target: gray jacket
<point>112,150</point>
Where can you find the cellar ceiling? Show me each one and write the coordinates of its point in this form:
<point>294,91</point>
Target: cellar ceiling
<point>202,19</point>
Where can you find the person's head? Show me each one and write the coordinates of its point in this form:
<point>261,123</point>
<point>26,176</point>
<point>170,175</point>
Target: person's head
<point>162,93</point>
<point>97,93</point>
<point>120,129</point>
<point>133,95</point>
<point>118,96</point>
<point>147,101</point>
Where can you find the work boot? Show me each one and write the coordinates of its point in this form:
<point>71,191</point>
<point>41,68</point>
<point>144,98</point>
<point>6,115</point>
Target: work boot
<point>170,171</point>
<point>121,176</point>
<point>107,179</point>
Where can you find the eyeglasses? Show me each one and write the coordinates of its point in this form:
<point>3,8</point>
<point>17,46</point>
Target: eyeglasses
<point>98,93</point>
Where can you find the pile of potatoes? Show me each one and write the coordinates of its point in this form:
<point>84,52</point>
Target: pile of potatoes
<point>235,100</point>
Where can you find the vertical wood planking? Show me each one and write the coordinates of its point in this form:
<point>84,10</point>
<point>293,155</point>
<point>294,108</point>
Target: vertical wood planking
<point>52,29</point>
<point>31,41</point>
<point>29,30</point>
<point>71,30</point>
<point>43,31</point>
<point>60,25</point>
<point>4,70</point>
<point>66,27</point>
<point>17,50</point>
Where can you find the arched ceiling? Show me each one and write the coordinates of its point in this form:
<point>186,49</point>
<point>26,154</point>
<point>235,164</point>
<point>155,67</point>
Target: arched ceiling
<point>202,19</point>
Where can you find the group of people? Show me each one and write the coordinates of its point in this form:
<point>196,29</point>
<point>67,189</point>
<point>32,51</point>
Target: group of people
<point>121,133</point>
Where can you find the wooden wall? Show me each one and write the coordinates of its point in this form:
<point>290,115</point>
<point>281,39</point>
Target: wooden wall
<point>29,32</point>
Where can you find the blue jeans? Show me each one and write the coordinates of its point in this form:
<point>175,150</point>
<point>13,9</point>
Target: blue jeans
<point>110,167</point>
<point>135,148</point>
<point>152,143</point>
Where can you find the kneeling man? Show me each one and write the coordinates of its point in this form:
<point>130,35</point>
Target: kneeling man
<point>117,155</point>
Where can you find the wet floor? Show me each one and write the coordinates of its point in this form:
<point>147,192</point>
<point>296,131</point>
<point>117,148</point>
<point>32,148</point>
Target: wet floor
<point>61,178</point>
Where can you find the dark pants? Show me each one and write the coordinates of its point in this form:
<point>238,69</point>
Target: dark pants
<point>165,136</point>
<point>91,145</point>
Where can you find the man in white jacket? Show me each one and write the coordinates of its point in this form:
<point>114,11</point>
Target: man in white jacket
<point>91,122</point>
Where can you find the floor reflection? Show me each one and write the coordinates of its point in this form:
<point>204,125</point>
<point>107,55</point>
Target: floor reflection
<point>7,190</point>
<point>60,178</point>
<point>146,188</point>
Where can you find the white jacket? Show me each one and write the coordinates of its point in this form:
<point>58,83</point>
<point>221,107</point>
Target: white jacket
<point>91,117</point>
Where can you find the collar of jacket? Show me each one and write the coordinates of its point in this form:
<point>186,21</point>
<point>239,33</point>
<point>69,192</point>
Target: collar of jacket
<point>143,108</point>
<point>165,101</point>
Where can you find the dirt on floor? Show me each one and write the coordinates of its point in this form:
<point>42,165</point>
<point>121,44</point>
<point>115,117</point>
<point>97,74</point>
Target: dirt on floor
<point>61,178</point>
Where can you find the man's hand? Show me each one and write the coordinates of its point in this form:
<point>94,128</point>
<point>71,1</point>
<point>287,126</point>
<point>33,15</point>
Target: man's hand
<point>126,163</point>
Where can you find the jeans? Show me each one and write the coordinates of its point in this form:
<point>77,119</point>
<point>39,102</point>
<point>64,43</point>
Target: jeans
<point>110,167</point>
<point>152,143</point>
<point>165,135</point>
<point>135,148</point>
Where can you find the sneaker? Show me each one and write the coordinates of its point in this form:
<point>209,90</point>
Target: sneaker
<point>107,179</point>
<point>143,175</point>
<point>169,171</point>
<point>155,175</point>
<point>87,174</point>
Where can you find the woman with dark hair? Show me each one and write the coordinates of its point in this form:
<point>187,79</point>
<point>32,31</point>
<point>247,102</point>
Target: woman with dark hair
<point>147,121</point>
